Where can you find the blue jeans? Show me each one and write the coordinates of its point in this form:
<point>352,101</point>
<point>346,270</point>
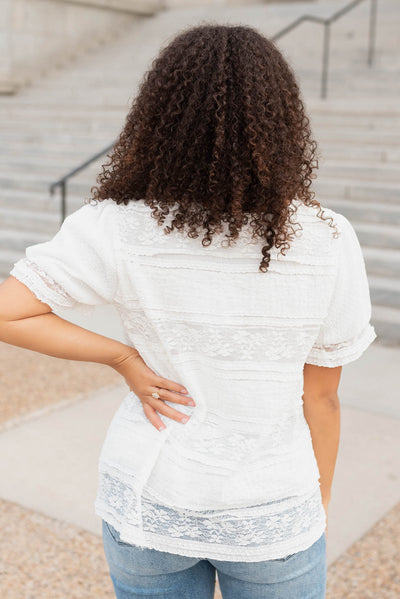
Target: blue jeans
<point>140,572</point>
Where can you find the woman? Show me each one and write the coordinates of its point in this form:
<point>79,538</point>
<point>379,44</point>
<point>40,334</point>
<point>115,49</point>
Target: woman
<point>230,314</point>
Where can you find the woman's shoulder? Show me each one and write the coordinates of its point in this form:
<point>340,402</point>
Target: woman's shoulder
<point>323,223</point>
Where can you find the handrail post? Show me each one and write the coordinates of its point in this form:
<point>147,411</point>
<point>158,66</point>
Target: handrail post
<point>372,31</point>
<point>325,59</point>
<point>63,186</point>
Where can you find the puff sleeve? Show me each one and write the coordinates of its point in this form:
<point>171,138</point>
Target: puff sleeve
<point>346,331</point>
<point>77,267</point>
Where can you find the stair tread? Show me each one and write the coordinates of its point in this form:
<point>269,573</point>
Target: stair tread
<point>389,283</point>
<point>385,313</point>
<point>350,203</point>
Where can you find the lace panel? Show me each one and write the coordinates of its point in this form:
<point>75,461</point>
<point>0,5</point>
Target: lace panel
<point>241,342</point>
<point>269,530</point>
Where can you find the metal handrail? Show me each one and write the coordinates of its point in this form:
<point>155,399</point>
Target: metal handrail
<point>62,182</point>
<point>327,23</point>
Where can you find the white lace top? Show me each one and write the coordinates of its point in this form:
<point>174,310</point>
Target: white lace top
<point>240,480</point>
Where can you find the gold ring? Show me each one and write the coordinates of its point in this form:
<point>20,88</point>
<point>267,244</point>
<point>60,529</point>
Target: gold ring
<point>155,395</point>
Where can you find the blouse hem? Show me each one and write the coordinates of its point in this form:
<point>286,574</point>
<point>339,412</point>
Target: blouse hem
<point>239,553</point>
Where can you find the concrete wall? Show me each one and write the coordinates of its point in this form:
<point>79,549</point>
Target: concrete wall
<point>36,35</point>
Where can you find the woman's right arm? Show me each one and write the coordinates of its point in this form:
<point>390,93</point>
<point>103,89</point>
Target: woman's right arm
<point>321,409</point>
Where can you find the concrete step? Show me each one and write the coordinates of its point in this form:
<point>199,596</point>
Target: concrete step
<point>382,261</point>
<point>357,136</point>
<point>52,123</point>
<point>359,127</point>
<point>19,199</point>
<point>355,190</point>
<point>43,168</point>
<point>21,220</point>
<point>42,183</point>
<point>13,239</point>
<point>37,201</point>
<point>337,151</point>
<point>377,235</point>
<point>372,212</point>
<point>58,155</point>
<point>385,291</point>
<point>359,171</point>
<point>66,137</point>
<point>355,120</point>
<point>348,108</point>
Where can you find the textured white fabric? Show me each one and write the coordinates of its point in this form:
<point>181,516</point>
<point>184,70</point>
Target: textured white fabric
<point>240,480</point>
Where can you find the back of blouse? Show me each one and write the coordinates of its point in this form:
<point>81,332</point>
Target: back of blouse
<point>240,479</point>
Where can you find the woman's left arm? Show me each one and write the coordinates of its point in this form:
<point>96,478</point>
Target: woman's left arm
<point>74,269</point>
<point>27,322</point>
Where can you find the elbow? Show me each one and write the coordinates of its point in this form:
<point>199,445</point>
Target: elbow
<point>329,399</point>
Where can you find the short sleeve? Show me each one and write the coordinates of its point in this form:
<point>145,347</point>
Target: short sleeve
<point>77,267</point>
<point>346,331</point>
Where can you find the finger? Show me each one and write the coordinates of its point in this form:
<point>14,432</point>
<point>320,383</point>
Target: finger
<point>153,417</point>
<point>167,384</point>
<point>171,396</point>
<point>163,408</point>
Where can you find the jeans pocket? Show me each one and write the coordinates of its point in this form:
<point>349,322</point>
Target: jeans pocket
<point>292,555</point>
<point>114,534</point>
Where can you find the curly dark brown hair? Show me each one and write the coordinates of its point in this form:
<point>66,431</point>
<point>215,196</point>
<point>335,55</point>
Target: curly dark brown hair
<point>219,128</point>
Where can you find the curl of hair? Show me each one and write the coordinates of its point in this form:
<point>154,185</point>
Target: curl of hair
<point>219,129</point>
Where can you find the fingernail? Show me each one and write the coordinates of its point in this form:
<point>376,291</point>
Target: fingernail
<point>191,403</point>
<point>185,419</point>
<point>162,427</point>
<point>184,391</point>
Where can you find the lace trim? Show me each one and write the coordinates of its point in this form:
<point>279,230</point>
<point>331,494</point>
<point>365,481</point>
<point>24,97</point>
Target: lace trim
<point>264,531</point>
<point>244,342</point>
<point>45,288</point>
<point>342,353</point>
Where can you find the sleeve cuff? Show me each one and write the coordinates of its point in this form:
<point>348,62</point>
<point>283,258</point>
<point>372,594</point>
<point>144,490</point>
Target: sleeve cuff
<point>41,284</point>
<point>342,353</point>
